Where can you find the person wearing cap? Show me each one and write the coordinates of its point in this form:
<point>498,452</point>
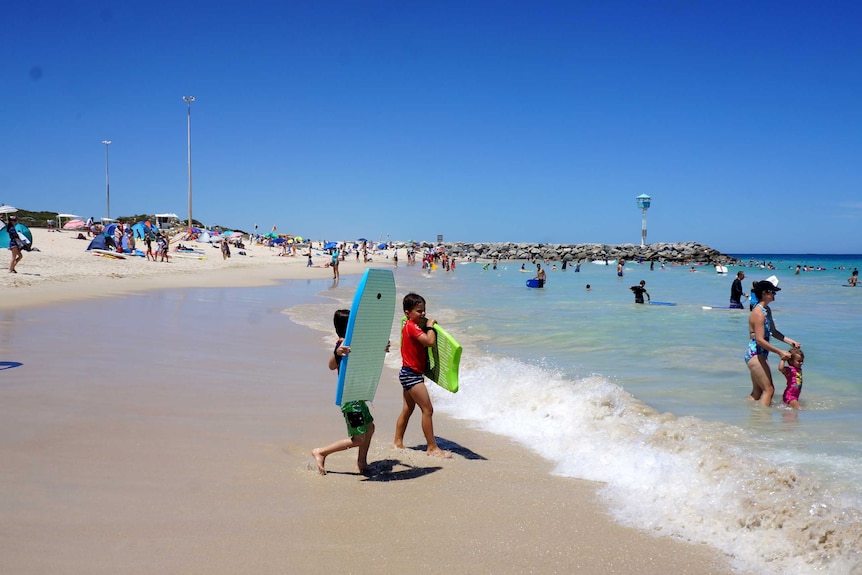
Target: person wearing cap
<point>762,329</point>
<point>15,243</point>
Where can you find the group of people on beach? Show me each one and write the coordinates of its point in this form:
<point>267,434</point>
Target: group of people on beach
<point>417,335</point>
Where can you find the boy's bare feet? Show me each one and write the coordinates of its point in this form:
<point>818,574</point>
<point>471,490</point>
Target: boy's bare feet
<point>398,445</point>
<point>320,459</point>
<point>439,453</point>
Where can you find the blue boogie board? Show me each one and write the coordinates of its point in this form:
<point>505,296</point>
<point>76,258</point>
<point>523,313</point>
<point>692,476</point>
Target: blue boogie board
<point>367,334</point>
<point>534,283</point>
<point>661,303</point>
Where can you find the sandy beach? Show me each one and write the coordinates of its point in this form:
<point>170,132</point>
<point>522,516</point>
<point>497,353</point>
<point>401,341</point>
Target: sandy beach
<point>133,442</point>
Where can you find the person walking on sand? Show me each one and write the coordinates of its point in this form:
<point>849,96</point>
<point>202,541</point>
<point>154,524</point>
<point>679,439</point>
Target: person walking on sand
<point>15,243</point>
<point>334,262</point>
<point>357,416</point>
<point>416,335</point>
<point>761,329</point>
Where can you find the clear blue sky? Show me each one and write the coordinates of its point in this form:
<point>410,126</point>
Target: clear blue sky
<point>481,121</point>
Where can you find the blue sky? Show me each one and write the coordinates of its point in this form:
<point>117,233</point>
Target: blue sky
<point>481,121</point>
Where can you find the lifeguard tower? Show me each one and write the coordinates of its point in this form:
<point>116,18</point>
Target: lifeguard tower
<point>643,204</point>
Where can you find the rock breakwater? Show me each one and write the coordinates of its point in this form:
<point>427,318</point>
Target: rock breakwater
<point>684,252</point>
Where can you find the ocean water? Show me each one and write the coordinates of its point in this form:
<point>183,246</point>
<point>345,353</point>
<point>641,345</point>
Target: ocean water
<point>651,400</point>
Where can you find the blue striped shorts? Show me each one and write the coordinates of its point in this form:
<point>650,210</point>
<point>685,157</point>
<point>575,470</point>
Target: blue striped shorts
<point>409,378</point>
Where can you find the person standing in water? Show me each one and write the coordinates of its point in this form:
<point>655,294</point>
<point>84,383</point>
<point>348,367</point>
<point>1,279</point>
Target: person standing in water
<point>736,292</point>
<point>639,291</point>
<point>540,275</point>
<point>762,329</point>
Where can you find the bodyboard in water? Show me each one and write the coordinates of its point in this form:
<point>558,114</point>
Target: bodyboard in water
<point>444,359</point>
<point>534,283</point>
<point>662,303</point>
<point>367,334</point>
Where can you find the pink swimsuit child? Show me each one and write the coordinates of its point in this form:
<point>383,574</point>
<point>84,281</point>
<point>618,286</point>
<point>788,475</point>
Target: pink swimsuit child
<point>794,383</point>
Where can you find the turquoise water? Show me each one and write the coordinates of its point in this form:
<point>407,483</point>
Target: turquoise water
<point>650,400</point>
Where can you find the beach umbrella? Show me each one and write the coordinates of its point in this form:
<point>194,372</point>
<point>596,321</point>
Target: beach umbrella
<point>361,240</point>
<point>381,247</point>
<point>4,209</point>
<point>298,238</point>
<point>329,245</point>
<point>68,218</point>
<point>74,225</point>
<point>279,240</point>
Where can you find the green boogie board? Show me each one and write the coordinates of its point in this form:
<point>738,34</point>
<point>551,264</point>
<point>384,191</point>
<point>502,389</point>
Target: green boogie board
<point>444,359</point>
<point>367,335</point>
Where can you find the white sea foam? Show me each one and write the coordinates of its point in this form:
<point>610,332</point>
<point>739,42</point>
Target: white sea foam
<point>678,476</point>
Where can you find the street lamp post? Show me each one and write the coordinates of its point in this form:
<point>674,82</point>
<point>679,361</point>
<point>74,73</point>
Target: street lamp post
<point>188,100</point>
<point>643,204</point>
<point>107,182</point>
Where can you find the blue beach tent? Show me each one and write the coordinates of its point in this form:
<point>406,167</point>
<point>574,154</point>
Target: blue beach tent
<point>142,229</point>
<point>101,242</point>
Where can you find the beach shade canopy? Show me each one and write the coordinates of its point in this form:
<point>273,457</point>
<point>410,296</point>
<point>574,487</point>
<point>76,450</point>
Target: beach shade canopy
<point>279,240</point>
<point>22,231</point>
<point>75,225</point>
<point>361,240</point>
<point>4,209</point>
<point>145,228</point>
<point>236,234</point>
<point>329,245</point>
<point>381,247</point>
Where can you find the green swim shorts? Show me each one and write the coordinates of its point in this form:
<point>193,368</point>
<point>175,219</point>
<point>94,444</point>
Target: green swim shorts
<point>357,416</point>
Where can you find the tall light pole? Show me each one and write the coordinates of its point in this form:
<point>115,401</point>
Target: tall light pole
<point>107,182</point>
<point>643,204</point>
<point>188,100</point>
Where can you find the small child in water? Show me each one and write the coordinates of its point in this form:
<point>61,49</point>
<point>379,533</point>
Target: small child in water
<point>792,370</point>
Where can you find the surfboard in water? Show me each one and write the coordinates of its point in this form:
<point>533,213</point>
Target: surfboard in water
<point>367,334</point>
<point>662,303</point>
